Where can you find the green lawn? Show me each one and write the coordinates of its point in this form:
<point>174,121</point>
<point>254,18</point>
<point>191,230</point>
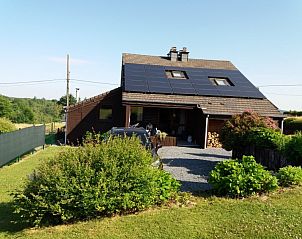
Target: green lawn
<point>277,215</point>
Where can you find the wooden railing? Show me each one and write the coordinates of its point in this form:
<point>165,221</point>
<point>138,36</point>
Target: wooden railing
<point>167,141</point>
<point>271,159</point>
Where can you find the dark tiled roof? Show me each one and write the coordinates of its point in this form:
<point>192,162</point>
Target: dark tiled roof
<point>208,104</point>
<point>164,61</point>
<point>88,101</point>
<point>92,100</point>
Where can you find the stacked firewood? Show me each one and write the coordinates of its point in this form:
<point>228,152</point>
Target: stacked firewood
<point>213,140</point>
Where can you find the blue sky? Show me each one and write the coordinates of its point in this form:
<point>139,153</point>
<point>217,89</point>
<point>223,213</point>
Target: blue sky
<point>262,38</point>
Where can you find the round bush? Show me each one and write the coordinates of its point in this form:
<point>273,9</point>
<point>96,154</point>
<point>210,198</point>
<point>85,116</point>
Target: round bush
<point>293,124</point>
<point>290,176</point>
<point>293,149</point>
<point>234,130</point>
<point>6,126</point>
<point>267,138</point>
<point>94,180</point>
<point>241,178</point>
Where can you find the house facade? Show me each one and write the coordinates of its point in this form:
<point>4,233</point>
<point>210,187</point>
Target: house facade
<point>184,97</point>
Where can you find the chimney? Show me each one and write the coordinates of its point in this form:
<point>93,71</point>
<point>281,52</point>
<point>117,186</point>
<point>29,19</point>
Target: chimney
<point>184,55</point>
<point>173,54</point>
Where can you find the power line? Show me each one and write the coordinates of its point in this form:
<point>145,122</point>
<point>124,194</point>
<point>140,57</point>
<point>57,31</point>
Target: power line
<point>94,82</point>
<point>16,83</point>
<point>279,85</point>
<point>281,94</point>
<point>29,82</point>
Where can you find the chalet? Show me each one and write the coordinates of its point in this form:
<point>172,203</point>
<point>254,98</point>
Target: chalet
<point>181,96</point>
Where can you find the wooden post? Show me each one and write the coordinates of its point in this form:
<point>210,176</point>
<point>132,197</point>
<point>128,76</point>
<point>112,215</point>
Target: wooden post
<point>282,121</point>
<point>128,114</point>
<point>67,101</point>
<point>206,132</point>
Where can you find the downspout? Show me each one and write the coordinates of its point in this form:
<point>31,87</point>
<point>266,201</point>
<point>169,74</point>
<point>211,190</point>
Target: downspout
<point>206,126</point>
<point>206,132</point>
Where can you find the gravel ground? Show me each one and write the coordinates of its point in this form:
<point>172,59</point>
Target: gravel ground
<point>191,166</point>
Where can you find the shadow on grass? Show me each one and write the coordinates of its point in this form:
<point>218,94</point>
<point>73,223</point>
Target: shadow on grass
<point>9,222</point>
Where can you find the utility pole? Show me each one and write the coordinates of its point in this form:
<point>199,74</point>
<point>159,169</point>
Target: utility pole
<point>67,78</point>
<point>67,98</point>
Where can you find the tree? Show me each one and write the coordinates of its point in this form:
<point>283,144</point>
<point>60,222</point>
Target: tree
<point>235,129</point>
<point>5,107</point>
<point>6,126</point>
<point>63,101</point>
<point>22,111</point>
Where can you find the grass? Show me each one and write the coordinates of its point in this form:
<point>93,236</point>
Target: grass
<point>276,215</point>
<point>49,127</point>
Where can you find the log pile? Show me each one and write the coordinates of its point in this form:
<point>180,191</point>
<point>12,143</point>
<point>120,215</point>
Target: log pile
<point>213,140</point>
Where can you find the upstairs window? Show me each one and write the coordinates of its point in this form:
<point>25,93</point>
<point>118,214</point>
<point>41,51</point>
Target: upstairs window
<point>219,81</point>
<point>106,113</point>
<point>174,74</point>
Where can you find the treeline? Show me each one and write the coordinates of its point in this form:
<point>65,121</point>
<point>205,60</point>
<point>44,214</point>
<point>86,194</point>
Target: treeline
<point>32,111</point>
<point>293,113</point>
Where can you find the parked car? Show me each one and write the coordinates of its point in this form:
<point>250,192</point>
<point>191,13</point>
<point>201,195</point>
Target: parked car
<point>143,136</point>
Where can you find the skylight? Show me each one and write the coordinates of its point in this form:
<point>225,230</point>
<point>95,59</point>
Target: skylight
<point>174,74</point>
<point>220,81</point>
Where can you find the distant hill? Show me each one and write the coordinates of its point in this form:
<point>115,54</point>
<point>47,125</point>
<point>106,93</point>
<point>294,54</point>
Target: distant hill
<point>25,110</point>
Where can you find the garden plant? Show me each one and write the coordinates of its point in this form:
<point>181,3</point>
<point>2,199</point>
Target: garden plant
<point>96,179</point>
<point>241,178</point>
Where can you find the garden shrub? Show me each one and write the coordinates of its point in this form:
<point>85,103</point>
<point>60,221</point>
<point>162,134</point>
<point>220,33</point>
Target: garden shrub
<point>292,124</point>
<point>293,149</point>
<point>234,130</point>
<point>93,180</point>
<point>290,176</point>
<point>267,138</point>
<point>241,178</point>
<point>6,126</point>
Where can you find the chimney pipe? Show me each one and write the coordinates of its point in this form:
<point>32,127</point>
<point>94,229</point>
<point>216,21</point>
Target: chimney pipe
<point>184,55</point>
<point>173,54</point>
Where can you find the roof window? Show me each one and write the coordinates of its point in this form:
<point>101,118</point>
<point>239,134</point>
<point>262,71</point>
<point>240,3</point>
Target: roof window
<point>174,74</point>
<point>219,81</point>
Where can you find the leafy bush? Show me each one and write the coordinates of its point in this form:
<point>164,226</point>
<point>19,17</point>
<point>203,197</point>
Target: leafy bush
<point>93,180</point>
<point>6,126</point>
<point>95,138</point>
<point>293,149</point>
<point>290,176</point>
<point>267,138</point>
<point>234,130</point>
<point>241,178</point>
<point>293,124</point>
